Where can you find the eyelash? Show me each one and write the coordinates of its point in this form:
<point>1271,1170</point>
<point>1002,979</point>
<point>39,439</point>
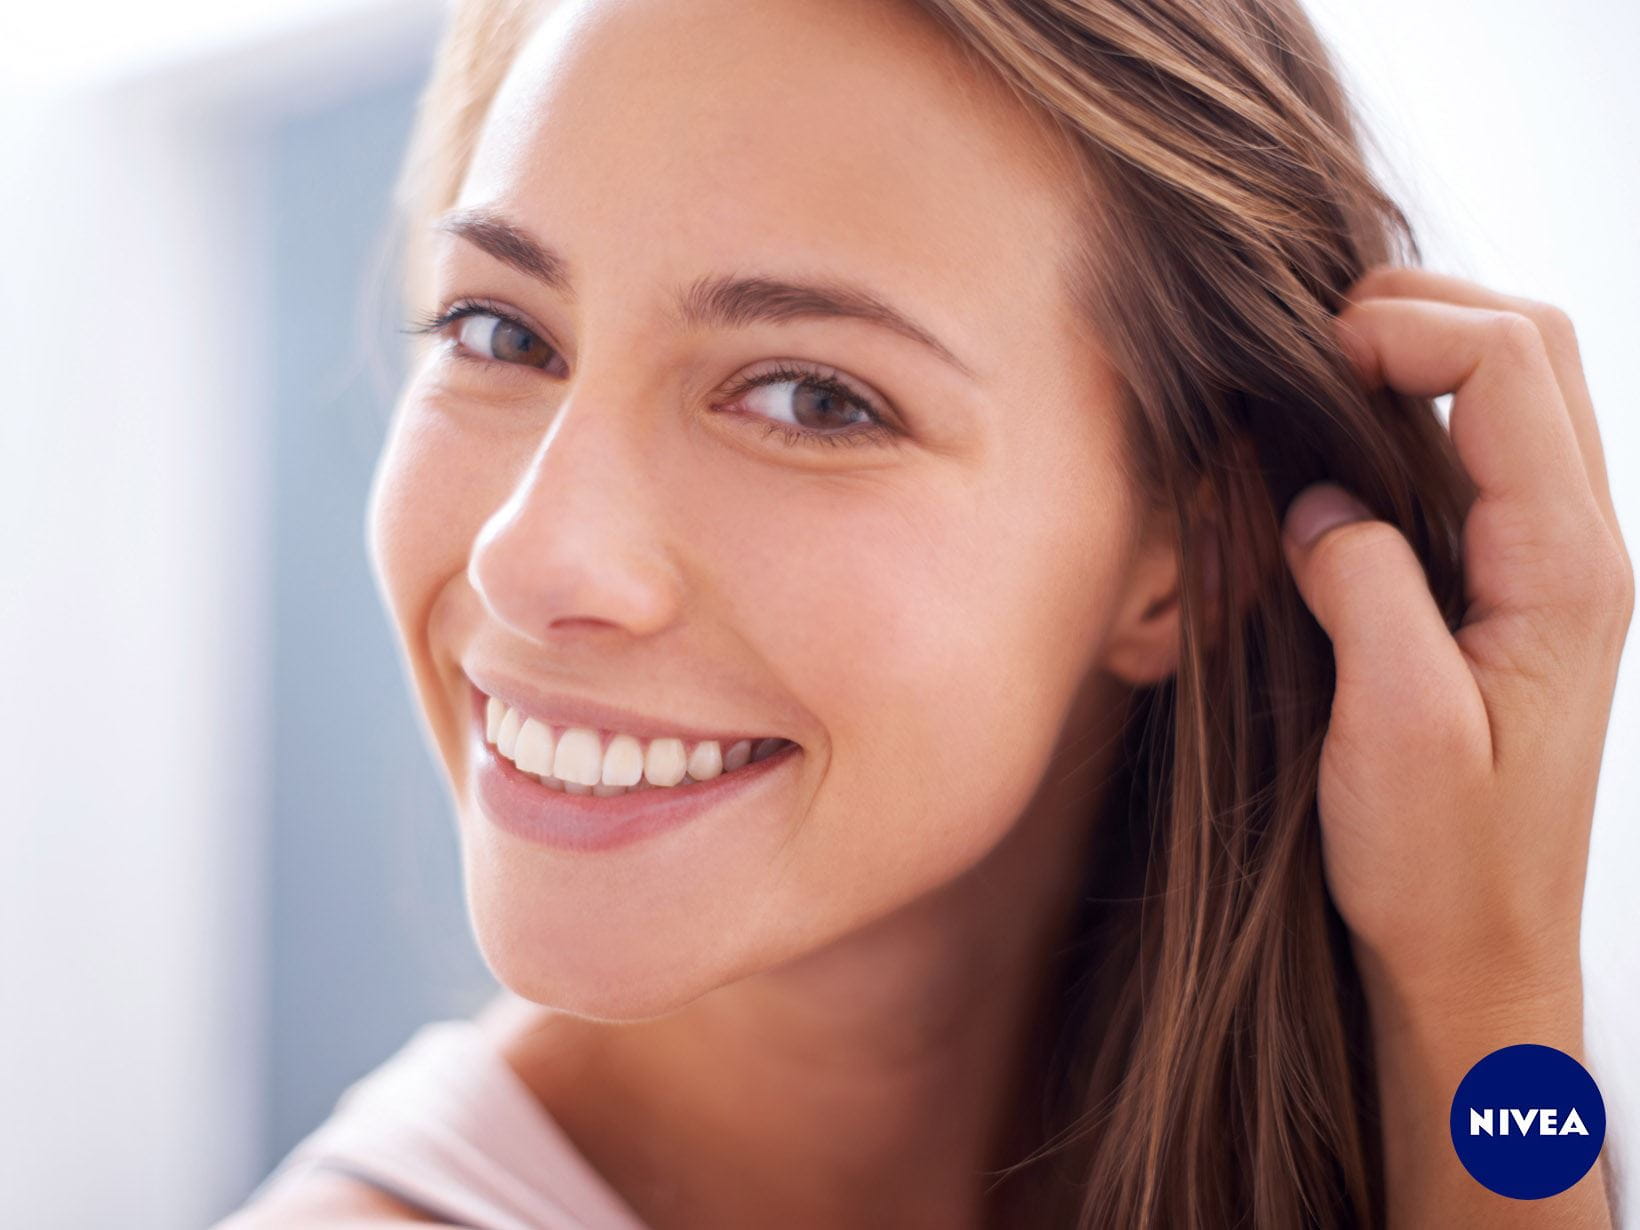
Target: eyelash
<point>878,430</point>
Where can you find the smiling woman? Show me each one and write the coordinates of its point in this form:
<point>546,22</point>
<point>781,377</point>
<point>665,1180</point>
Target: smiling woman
<point>926,832</point>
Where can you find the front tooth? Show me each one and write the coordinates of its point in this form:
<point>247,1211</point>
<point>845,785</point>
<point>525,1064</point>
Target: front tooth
<point>663,763</point>
<point>494,711</point>
<point>532,750</point>
<point>506,734</point>
<point>623,761</point>
<point>738,754</point>
<point>605,790</point>
<point>576,759</point>
<point>576,788</point>
<point>706,761</point>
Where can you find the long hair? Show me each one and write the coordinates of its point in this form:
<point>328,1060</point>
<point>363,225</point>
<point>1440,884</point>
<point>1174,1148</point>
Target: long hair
<point>1201,1058</point>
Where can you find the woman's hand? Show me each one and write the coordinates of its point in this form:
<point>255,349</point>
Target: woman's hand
<point>1458,772</point>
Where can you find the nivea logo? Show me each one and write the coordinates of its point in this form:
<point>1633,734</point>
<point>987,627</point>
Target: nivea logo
<point>1539,1119</point>
<point>1528,1121</point>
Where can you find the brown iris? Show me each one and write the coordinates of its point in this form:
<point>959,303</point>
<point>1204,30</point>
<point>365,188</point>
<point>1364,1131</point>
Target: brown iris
<point>515,344</point>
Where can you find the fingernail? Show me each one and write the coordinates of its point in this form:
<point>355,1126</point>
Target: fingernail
<point>1320,507</point>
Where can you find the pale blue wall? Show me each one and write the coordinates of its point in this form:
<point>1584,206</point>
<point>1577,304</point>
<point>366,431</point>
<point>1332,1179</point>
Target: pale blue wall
<point>367,930</point>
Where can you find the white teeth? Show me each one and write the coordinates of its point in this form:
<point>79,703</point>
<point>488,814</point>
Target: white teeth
<point>577,763</point>
<point>706,761</point>
<point>577,759</point>
<point>532,751</point>
<point>623,761</point>
<point>506,734</point>
<point>663,763</point>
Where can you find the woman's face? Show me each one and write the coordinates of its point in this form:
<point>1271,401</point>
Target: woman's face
<point>924,594</point>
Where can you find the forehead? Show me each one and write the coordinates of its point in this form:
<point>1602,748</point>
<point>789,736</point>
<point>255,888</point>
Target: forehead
<point>667,139</point>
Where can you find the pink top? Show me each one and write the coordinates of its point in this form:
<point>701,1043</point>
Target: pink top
<point>445,1124</point>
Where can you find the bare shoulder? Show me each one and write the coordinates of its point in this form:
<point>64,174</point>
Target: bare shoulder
<point>326,1200</point>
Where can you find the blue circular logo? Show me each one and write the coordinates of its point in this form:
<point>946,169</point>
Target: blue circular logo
<point>1528,1121</point>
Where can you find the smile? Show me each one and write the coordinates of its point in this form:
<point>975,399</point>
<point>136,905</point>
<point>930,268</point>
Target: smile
<point>582,760</point>
<point>583,788</point>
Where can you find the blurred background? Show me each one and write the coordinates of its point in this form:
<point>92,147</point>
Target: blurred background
<point>236,884</point>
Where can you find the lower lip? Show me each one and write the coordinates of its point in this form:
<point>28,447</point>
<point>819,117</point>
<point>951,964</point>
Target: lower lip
<point>586,823</point>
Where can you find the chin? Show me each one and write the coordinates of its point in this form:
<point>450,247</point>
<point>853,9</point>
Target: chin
<point>608,981</point>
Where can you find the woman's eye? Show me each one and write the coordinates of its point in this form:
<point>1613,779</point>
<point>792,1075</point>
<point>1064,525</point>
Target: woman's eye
<point>487,334</point>
<point>496,337</point>
<point>809,407</point>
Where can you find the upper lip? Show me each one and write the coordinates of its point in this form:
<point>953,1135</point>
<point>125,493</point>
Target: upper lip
<point>562,710</point>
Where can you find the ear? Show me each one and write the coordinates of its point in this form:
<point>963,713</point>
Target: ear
<point>1143,646</point>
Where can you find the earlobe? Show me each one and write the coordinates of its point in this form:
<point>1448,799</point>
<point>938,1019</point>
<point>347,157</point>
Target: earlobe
<point>1144,645</point>
<point>1143,648</point>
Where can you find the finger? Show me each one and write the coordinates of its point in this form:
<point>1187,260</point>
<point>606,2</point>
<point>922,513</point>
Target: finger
<point>1360,577</point>
<point>1559,338</point>
<point>1530,536</point>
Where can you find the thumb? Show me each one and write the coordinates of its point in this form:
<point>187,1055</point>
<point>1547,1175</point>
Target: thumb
<point>1367,589</point>
<point>1317,509</point>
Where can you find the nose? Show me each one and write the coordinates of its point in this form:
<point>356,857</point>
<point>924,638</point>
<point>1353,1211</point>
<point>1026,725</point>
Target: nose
<point>579,546</point>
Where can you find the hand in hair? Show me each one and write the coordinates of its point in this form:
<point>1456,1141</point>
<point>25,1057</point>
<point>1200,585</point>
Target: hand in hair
<point>1458,773</point>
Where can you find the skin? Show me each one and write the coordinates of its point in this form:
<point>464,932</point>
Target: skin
<point>945,624</point>
<point>840,970</point>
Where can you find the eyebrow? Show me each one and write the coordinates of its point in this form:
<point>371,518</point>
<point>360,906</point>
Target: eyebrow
<point>724,301</point>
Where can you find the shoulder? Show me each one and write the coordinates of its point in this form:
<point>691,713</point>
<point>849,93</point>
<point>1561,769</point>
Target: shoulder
<point>324,1199</point>
<point>532,1041</point>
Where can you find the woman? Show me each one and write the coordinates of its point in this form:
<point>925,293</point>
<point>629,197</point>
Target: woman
<point>916,762</point>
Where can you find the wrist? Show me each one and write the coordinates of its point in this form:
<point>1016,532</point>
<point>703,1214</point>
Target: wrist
<point>1511,996</point>
<point>1429,1029</point>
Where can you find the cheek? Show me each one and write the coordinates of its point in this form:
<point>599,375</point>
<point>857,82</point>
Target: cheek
<point>938,645</point>
<point>425,510</point>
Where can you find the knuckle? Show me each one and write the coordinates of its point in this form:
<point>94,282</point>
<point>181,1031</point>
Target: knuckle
<point>1552,323</point>
<point>1606,590</point>
<point>1621,582</point>
<point>1516,334</point>
<point>1450,732</point>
